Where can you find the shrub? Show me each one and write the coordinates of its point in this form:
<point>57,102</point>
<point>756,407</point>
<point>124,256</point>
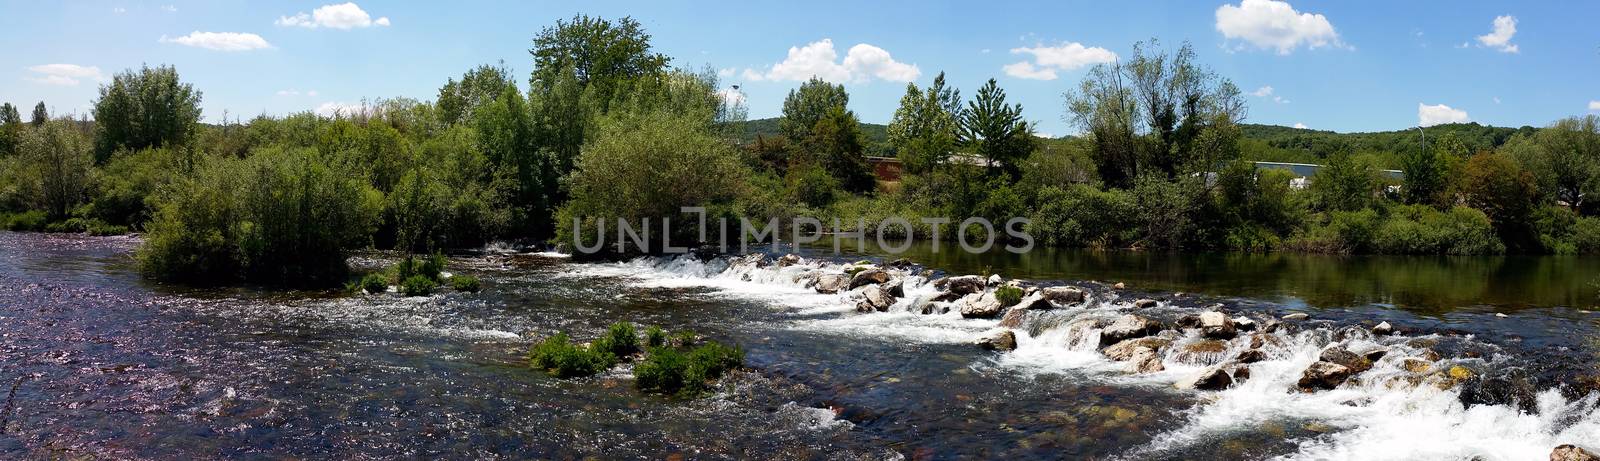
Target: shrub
<point>671,371</point>
<point>559,357</point>
<point>1419,229</point>
<point>1008,295</point>
<point>1586,235</point>
<point>27,221</point>
<point>1083,216</point>
<point>655,337</point>
<point>465,283</point>
<point>621,340</point>
<point>374,283</point>
<point>417,285</point>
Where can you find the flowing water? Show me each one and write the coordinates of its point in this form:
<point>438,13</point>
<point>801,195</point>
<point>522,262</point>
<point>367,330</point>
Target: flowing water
<point>97,362</point>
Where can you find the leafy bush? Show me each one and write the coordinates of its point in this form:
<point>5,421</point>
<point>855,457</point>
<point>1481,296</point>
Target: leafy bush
<point>26,221</point>
<point>429,267</point>
<point>1420,229</point>
<point>418,285</point>
<point>655,337</point>
<point>1586,235</point>
<point>1008,295</point>
<point>672,371</point>
<point>1083,216</point>
<point>621,340</point>
<point>465,283</point>
<point>559,357</point>
<point>374,283</point>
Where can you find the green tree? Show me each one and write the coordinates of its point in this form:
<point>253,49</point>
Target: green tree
<point>1564,159</point>
<point>40,115</point>
<point>1347,183</point>
<point>1496,185</point>
<point>923,130</point>
<point>144,109</point>
<point>59,166</point>
<point>995,131</point>
<point>835,145</point>
<point>459,100</point>
<point>10,129</point>
<point>806,106</point>
<point>598,53</point>
<point>1427,173</point>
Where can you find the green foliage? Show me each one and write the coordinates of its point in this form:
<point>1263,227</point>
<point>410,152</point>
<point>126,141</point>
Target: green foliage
<point>655,337</point>
<point>374,283</point>
<point>808,105</point>
<point>923,130</point>
<point>130,180</point>
<point>10,130</point>
<point>1586,236</point>
<point>1564,159</point>
<point>603,55</point>
<point>670,370</point>
<point>1008,295</point>
<point>54,168</point>
<point>418,285</point>
<point>1084,216</point>
<point>812,185</point>
<point>621,340</point>
<point>995,131</point>
<point>1503,191</point>
<point>27,221</point>
<point>1427,175</point>
<point>1166,210</point>
<point>144,109</point>
<point>465,283</point>
<point>557,356</point>
<point>1407,229</point>
<point>1347,183</point>
<point>835,145</point>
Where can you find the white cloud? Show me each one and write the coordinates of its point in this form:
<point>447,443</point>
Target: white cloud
<point>984,51</point>
<point>290,92</point>
<point>220,41</point>
<point>861,64</point>
<point>1267,92</point>
<point>1438,114</point>
<point>731,96</point>
<point>64,74</point>
<point>1500,38</point>
<point>1594,105</point>
<point>1049,59</point>
<point>169,8</point>
<point>1276,25</point>
<point>1300,125</point>
<point>332,108</point>
<point>346,16</point>
<point>119,10</point>
<point>312,93</point>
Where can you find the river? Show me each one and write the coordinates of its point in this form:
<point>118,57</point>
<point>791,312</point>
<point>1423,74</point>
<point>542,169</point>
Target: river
<point>97,362</point>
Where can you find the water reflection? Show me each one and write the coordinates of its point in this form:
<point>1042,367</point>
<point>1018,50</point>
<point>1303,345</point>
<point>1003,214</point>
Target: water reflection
<point>1427,284</point>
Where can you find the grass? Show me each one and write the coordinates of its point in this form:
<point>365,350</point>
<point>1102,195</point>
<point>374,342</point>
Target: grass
<point>465,283</point>
<point>686,372</point>
<point>418,285</point>
<point>559,357</point>
<point>674,366</point>
<point>374,283</point>
<point>1008,295</point>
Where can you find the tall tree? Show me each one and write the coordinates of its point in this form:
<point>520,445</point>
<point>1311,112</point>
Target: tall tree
<point>996,131</point>
<point>10,129</point>
<point>835,144</point>
<point>1505,192</point>
<point>599,53</point>
<point>58,161</point>
<point>148,108</point>
<point>1426,175</point>
<point>1565,159</point>
<point>40,115</point>
<point>804,107</point>
<point>923,130</point>
<point>458,100</point>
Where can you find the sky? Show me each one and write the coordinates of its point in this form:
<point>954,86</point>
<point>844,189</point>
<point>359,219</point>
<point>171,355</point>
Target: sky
<point>1345,66</point>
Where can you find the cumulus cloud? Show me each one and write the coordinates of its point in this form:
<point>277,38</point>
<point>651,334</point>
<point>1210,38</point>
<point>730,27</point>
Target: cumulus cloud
<point>861,64</point>
<point>333,108</point>
<point>341,16</point>
<point>731,96</point>
<point>63,74</point>
<point>1594,105</point>
<point>1049,59</point>
<point>1268,92</point>
<point>169,8</point>
<point>295,92</point>
<point>1439,114</point>
<point>220,41</point>
<point>1300,125</point>
<point>1500,37</point>
<point>1272,24</point>
<point>119,10</point>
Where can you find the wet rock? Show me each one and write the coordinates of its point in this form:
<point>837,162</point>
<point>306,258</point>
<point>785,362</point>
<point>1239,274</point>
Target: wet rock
<point>1189,321</point>
<point>1512,388</point>
<point>1014,318</point>
<point>831,283</point>
<point>869,277</point>
<point>1213,379</point>
<point>1261,340</point>
<point>1128,327</point>
<point>901,263</point>
<point>1125,350</point>
<point>1342,356</point>
<point>1144,360</point>
<point>1297,316</point>
<point>1375,354</point>
<point>1271,326</point>
<point>1244,323</point>
<point>982,307</point>
<point>1003,340</point>
<point>1216,325</point>
<point>1061,296</point>
<point>964,285</point>
<point>1251,356</point>
<point>1241,374</point>
<point>1145,303</point>
<point>1203,352</point>
<point>1570,452</point>
<point>1119,286</point>
<point>896,288</point>
<point>1323,375</point>
<point>875,298</point>
<point>1416,365</point>
<point>995,280</point>
<point>1383,329</point>
<point>751,260</point>
<point>788,260</point>
<point>947,297</point>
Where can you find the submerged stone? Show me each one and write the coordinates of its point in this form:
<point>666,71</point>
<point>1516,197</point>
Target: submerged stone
<point>1127,327</point>
<point>1323,375</point>
<point>1004,340</point>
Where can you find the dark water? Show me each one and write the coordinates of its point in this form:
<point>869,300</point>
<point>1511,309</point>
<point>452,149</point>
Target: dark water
<point>1426,284</point>
<point>97,362</point>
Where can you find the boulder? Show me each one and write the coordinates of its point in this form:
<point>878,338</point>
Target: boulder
<point>868,277</point>
<point>1216,325</point>
<point>1203,352</point>
<point>877,298</point>
<point>1297,316</point>
<point>1244,323</point>
<point>1383,329</point>
<point>1119,286</point>
<point>1128,327</point>
<point>946,297</point>
<point>1241,374</point>
<point>1342,356</point>
<point>1003,340</point>
<point>964,285</point>
<point>1063,296</point>
<point>985,306</point>
<point>1212,379</point>
<point>1125,350</point>
<point>1145,303</point>
<point>1251,356</point>
<point>1570,452</point>
<point>788,260</point>
<point>901,263</point>
<point>896,288</point>
<point>1013,318</point>
<point>831,283</point>
<point>1375,354</point>
<point>1416,365</point>
<point>751,260</point>
<point>1324,375</point>
<point>1144,360</point>
<point>995,280</point>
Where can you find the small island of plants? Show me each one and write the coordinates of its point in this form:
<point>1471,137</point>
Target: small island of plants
<point>682,364</point>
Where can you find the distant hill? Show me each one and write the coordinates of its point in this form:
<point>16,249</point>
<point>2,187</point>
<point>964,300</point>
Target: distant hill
<point>875,133</point>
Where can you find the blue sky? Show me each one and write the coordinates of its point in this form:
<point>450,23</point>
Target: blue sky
<point>1343,66</point>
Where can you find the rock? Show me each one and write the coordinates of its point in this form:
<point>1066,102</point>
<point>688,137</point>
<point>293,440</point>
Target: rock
<point>1342,356</point>
<point>1213,379</point>
<point>1297,316</point>
<point>1570,452</point>
<point>946,297</point>
<point>1119,286</point>
<point>1244,323</point>
<point>751,260</point>
<point>1144,360</point>
<point>788,260</point>
<point>1251,356</point>
<point>1323,375</point>
<point>1013,318</point>
<point>1416,365</point>
<point>1383,329</point>
<point>1375,354</point>
<point>831,283</point>
<point>1063,296</point>
<point>901,263</point>
<point>1216,325</point>
<point>1203,352</point>
<point>1271,325</point>
<point>868,277</point>
<point>1511,388</point>
<point>1189,321</point>
<point>1004,340</point>
<point>1145,303</point>
<point>1260,340</point>
<point>878,298</point>
<point>964,285</point>
<point>896,288</point>
<point>994,280</point>
<point>1124,350</point>
<point>1032,301</point>
<point>1128,327</point>
<point>985,306</point>
<point>1241,374</point>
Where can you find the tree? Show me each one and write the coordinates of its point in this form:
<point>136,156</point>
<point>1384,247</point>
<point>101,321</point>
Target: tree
<point>10,129</point>
<point>835,145</point>
<point>1494,183</point>
<point>1564,159</point>
<point>1347,183</point>
<point>59,166</point>
<point>40,115</point>
<point>1427,174</point>
<point>923,130</point>
<point>995,131</point>
<point>599,53</point>
<point>150,108</point>
<point>458,100</point>
<point>806,106</point>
